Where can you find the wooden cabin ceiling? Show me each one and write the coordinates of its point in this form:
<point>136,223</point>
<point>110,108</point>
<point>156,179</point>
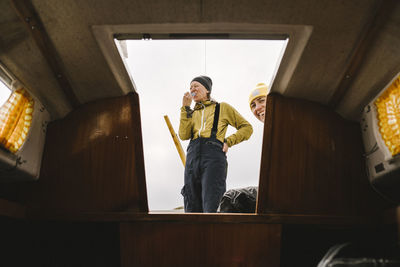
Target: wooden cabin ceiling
<point>337,28</point>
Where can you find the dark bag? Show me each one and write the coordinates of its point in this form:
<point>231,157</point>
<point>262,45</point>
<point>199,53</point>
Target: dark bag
<point>241,200</point>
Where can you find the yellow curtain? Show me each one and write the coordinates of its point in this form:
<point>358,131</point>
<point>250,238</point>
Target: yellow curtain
<point>388,107</point>
<point>15,120</point>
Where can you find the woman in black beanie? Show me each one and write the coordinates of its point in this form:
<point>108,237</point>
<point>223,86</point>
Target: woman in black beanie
<point>206,126</point>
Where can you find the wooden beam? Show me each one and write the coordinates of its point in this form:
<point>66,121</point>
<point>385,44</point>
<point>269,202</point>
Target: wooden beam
<point>205,218</point>
<point>383,8</point>
<point>28,15</point>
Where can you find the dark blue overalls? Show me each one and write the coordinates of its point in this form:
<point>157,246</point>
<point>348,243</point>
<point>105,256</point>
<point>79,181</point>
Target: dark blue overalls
<point>205,172</point>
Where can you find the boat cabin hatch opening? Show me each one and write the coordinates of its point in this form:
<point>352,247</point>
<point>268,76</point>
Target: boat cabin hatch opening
<point>161,70</point>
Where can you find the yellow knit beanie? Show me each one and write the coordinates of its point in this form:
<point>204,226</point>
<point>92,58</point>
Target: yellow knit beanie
<point>260,90</point>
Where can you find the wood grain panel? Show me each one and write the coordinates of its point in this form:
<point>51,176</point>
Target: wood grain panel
<point>191,244</point>
<point>312,162</point>
<point>93,160</point>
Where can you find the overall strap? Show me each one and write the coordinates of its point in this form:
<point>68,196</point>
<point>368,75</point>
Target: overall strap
<point>215,124</point>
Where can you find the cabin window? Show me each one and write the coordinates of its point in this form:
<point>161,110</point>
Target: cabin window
<point>5,91</point>
<point>388,115</point>
<point>15,114</point>
<point>162,70</point>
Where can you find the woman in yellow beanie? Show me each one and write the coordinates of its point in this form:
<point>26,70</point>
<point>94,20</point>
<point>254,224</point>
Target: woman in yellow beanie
<point>258,101</point>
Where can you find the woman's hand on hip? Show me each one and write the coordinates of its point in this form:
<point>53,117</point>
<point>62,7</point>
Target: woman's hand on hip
<point>225,148</point>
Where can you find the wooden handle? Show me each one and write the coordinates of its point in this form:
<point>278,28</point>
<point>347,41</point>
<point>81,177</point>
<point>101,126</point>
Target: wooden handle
<point>176,140</point>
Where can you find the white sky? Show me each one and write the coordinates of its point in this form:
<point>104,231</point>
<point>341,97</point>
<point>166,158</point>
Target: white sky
<point>5,93</point>
<point>162,71</point>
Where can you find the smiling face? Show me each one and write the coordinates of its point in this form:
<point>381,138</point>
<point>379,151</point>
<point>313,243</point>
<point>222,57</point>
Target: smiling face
<point>258,107</point>
<point>198,92</point>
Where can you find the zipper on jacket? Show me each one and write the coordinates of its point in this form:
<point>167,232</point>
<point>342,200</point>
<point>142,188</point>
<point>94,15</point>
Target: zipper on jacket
<point>202,119</point>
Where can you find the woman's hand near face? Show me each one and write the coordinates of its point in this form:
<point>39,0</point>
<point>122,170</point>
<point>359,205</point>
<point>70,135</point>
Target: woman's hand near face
<point>187,99</point>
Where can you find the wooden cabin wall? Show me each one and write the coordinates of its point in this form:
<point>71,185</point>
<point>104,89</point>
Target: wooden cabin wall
<point>92,162</point>
<point>312,162</point>
<point>199,244</point>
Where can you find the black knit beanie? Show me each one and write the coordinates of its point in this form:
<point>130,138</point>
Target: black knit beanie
<point>205,81</point>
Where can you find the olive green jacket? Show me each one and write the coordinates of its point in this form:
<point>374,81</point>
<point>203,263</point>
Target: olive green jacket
<point>191,125</point>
